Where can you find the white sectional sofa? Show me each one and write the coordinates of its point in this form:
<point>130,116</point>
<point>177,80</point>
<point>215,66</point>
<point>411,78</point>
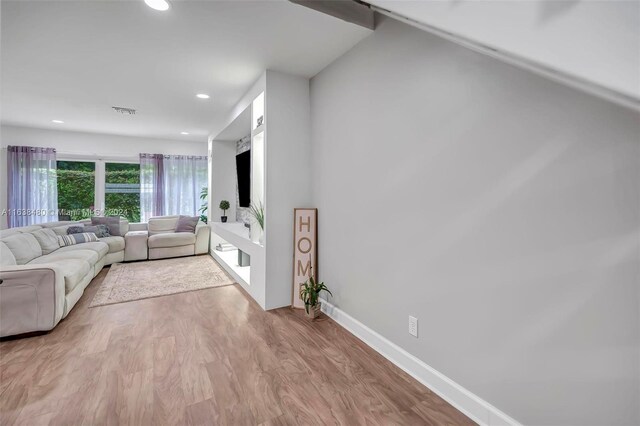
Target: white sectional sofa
<point>40,281</point>
<point>157,240</point>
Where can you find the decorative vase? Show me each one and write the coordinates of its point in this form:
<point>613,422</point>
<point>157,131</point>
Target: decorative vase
<point>223,219</point>
<point>261,238</point>
<point>313,312</point>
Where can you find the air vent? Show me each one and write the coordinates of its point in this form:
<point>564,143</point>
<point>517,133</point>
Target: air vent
<point>123,110</point>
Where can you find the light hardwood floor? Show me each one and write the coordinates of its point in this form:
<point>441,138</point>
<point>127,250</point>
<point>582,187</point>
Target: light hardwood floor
<point>205,357</point>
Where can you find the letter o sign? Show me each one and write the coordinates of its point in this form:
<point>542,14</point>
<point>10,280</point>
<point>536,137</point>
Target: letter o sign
<point>308,244</point>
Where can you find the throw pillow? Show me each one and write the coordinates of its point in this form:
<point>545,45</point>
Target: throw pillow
<point>187,224</point>
<point>62,230</point>
<point>101,231</point>
<point>47,239</point>
<point>112,222</point>
<point>69,240</point>
<point>75,229</point>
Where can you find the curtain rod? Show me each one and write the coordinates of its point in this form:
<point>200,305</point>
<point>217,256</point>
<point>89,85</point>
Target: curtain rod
<point>92,155</point>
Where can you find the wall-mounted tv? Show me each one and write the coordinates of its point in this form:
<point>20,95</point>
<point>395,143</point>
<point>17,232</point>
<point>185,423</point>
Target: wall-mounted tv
<point>243,169</point>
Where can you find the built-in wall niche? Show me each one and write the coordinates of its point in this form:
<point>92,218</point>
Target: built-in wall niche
<point>257,112</point>
<point>240,150</point>
<point>280,181</point>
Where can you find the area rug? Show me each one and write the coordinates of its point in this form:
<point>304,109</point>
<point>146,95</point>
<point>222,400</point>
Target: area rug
<point>126,282</point>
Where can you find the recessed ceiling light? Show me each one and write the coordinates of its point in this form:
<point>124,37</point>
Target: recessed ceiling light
<point>184,133</point>
<point>202,96</point>
<point>161,5</point>
<point>57,121</point>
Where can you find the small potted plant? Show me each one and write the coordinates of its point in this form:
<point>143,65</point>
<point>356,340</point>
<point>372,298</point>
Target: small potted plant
<point>224,206</point>
<point>257,212</point>
<point>309,293</point>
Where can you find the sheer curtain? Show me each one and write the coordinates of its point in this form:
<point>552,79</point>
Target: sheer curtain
<point>171,184</point>
<point>151,186</point>
<point>184,178</point>
<point>32,193</point>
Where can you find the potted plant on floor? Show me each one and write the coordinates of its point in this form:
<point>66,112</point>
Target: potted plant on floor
<point>224,206</point>
<point>309,293</point>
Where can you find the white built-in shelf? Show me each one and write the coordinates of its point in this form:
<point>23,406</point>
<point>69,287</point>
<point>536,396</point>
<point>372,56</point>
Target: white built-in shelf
<point>258,130</point>
<point>236,234</point>
<point>230,260</point>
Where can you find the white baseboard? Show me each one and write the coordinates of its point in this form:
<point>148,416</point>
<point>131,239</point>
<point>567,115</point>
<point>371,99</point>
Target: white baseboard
<point>469,404</point>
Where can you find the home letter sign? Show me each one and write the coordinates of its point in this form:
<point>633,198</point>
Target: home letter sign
<point>305,254</point>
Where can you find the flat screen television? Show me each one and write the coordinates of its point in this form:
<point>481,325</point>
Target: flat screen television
<point>243,169</point>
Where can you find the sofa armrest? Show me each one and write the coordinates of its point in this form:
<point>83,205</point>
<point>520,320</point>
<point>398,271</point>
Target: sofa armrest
<point>32,298</point>
<point>138,226</point>
<point>135,245</point>
<point>202,238</point>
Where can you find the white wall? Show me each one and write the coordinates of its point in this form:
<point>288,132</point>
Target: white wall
<point>598,41</point>
<point>287,165</point>
<point>499,208</point>
<point>89,145</point>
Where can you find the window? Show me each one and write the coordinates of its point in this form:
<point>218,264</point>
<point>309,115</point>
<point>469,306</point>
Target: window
<point>122,190</point>
<point>76,189</point>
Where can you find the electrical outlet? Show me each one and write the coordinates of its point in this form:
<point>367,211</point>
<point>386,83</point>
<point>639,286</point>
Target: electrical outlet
<point>413,326</point>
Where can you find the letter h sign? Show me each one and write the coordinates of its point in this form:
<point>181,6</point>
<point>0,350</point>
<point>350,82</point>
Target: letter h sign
<point>305,254</point>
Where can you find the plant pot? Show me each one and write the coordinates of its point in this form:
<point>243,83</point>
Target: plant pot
<point>313,311</point>
<point>223,219</point>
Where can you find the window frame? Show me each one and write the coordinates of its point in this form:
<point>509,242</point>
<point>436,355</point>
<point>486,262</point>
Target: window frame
<point>100,181</point>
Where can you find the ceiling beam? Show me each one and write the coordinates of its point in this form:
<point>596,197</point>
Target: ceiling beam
<point>352,11</point>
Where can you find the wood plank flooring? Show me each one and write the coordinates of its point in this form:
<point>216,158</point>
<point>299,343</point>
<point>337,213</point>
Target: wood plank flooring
<point>205,357</point>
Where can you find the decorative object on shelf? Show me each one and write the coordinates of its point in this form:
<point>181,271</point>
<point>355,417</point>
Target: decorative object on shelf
<point>203,208</point>
<point>224,206</point>
<point>243,259</point>
<point>260,120</point>
<point>257,212</point>
<point>225,247</point>
<point>309,294</point>
<point>305,254</point>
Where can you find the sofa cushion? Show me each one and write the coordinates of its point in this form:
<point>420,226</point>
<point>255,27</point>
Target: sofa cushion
<point>171,240</point>
<point>4,233</point>
<point>26,229</point>
<point>59,223</point>
<point>76,229</point>
<point>74,270</point>
<point>116,244</point>
<point>89,256</point>
<point>162,224</point>
<point>187,224</point>
<point>62,230</point>
<point>101,231</point>
<point>98,246</point>
<point>24,247</point>
<point>112,222</point>
<point>6,256</point>
<point>47,239</point>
